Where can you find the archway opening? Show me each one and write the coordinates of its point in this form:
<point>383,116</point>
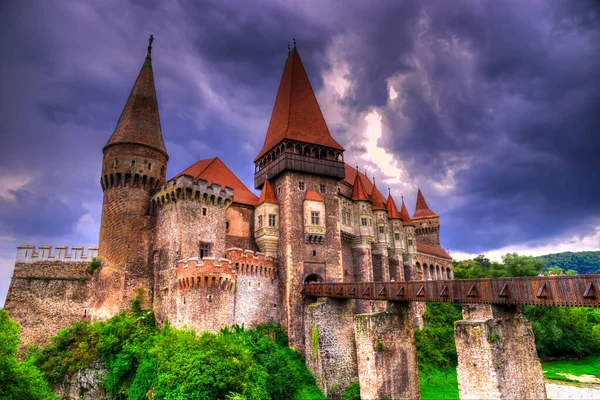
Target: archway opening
<point>314,278</point>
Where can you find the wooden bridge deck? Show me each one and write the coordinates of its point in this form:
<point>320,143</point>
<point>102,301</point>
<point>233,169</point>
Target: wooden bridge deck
<point>557,291</point>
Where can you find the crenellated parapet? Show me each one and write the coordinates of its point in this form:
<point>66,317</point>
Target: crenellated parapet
<point>206,273</point>
<point>249,263</point>
<point>184,187</point>
<point>29,254</point>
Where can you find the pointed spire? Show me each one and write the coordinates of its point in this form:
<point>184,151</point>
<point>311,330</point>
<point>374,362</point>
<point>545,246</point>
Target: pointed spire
<point>359,192</point>
<point>404,214</point>
<point>140,122</point>
<point>377,199</point>
<point>267,195</point>
<point>422,210</point>
<point>391,207</point>
<point>296,113</point>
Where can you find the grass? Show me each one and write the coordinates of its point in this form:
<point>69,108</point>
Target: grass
<point>578,367</point>
<point>439,386</point>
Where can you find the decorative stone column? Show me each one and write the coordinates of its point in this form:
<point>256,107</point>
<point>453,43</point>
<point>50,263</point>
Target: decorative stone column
<point>386,354</point>
<point>496,355</point>
<point>329,344</point>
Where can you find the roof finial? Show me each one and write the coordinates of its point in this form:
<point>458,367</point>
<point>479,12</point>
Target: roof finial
<point>294,43</point>
<point>150,40</point>
<point>374,184</point>
<point>403,197</point>
<point>389,191</point>
<point>289,50</point>
<point>357,168</point>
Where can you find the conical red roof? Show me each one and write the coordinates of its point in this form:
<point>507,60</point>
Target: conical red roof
<point>378,200</point>
<point>391,208</point>
<point>296,113</point>
<point>422,209</point>
<point>139,122</point>
<point>358,190</point>
<point>267,195</point>
<point>404,214</point>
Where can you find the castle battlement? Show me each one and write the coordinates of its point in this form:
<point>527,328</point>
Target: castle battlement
<point>28,253</point>
<point>184,187</point>
<point>206,273</point>
<point>249,263</point>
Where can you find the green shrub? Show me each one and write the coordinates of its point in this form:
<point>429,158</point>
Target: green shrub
<point>352,392</point>
<point>94,265</point>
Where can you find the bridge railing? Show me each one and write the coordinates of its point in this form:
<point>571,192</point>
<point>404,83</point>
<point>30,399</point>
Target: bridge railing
<point>580,291</point>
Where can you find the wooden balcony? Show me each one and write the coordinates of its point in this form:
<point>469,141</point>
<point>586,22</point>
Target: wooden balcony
<point>297,162</point>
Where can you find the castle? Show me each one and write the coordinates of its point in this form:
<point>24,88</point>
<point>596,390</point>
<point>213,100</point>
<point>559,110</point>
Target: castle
<point>204,251</point>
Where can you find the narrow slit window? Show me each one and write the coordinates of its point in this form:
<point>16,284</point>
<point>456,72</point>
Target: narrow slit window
<point>150,166</point>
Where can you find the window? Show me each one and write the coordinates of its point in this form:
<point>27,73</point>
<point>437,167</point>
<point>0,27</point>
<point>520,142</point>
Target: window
<point>272,220</point>
<point>260,221</point>
<point>278,192</point>
<point>410,242</point>
<point>314,253</point>
<point>150,166</point>
<point>323,188</point>
<point>204,250</point>
<point>156,256</point>
<point>314,218</point>
<point>381,229</point>
<point>258,286</point>
<point>396,236</point>
<point>115,163</point>
<point>133,163</point>
<point>363,221</point>
<point>226,226</point>
<point>301,185</point>
<point>204,211</point>
<point>104,167</point>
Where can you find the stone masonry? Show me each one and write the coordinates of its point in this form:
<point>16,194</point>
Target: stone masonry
<point>496,355</point>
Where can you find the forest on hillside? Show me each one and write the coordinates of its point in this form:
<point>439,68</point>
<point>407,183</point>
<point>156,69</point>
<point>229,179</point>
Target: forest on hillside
<point>584,262</point>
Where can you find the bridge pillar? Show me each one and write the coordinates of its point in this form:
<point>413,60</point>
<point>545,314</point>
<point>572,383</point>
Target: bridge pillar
<point>363,260</point>
<point>496,355</point>
<point>329,344</point>
<point>386,354</point>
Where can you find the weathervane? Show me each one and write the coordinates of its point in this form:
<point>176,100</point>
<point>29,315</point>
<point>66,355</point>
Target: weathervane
<point>150,40</point>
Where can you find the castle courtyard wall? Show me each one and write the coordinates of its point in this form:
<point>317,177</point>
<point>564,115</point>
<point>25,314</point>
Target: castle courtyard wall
<point>46,296</point>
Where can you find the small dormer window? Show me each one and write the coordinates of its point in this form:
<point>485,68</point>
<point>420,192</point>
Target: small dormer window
<point>133,163</point>
<point>150,166</point>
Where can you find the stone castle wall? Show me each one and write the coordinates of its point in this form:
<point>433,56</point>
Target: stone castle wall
<point>298,259</point>
<point>46,296</point>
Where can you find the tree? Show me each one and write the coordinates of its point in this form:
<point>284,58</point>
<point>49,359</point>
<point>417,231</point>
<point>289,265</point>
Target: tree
<point>517,265</point>
<point>18,380</point>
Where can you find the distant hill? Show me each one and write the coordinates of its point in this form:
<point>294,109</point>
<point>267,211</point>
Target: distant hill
<point>584,262</point>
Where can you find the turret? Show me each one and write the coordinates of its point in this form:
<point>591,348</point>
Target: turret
<point>362,210</point>
<point>134,163</point>
<point>379,208</point>
<point>266,221</point>
<point>427,223</point>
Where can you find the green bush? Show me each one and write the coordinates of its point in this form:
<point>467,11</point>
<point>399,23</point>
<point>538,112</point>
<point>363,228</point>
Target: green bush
<point>94,265</point>
<point>352,392</point>
<point>18,380</point>
<point>143,360</point>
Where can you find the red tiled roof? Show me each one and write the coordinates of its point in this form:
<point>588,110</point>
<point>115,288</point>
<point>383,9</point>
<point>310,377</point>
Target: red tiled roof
<point>267,195</point>
<point>214,171</point>
<point>139,122</point>
<point>378,200</point>
<point>422,209</point>
<point>358,189</point>
<point>313,195</point>
<point>404,215</point>
<point>391,208</point>
<point>296,113</point>
<point>351,177</point>
<point>433,250</point>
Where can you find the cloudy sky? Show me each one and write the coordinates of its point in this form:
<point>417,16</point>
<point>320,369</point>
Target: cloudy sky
<point>491,107</point>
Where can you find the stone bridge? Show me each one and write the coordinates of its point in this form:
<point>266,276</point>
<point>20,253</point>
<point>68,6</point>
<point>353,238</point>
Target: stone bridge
<point>497,358</point>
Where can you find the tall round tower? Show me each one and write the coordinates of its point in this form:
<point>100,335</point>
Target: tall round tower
<point>134,163</point>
